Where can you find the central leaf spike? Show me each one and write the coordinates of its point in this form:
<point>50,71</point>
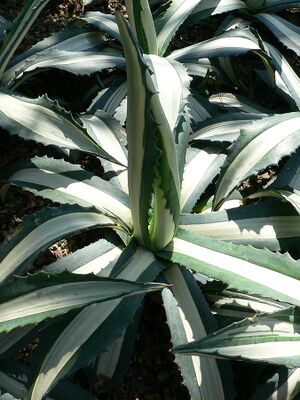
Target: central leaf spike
<point>157,130</point>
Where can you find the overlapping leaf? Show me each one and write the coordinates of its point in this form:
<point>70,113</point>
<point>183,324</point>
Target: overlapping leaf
<point>244,268</point>
<point>63,182</point>
<point>269,338</point>
<point>40,230</point>
<point>264,143</point>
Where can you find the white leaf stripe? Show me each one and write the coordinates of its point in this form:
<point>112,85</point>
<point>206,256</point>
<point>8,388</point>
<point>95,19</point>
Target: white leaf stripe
<point>20,27</point>
<point>116,175</point>
<point>167,26</point>
<point>251,277</point>
<point>53,300</point>
<point>259,351</point>
<point>104,22</point>
<point>72,40</point>
<point>109,99</point>
<point>182,307</point>
<point>96,192</point>
<point>259,231</point>
<point>229,43</point>
<point>169,95</point>
<point>250,157</point>
<point>270,338</point>
<point>137,98</point>
<point>104,132</point>
<point>93,258</point>
<point>76,62</point>
<point>198,174</point>
<point>43,121</point>
<point>224,128</point>
<point>85,324</point>
<point>237,103</point>
<point>286,72</point>
<point>285,32</point>
<point>45,234</point>
<point>213,7</point>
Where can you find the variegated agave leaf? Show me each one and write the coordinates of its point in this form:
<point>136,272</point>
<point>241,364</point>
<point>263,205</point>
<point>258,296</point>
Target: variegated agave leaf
<point>18,30</point>
<point>240,267</point>
<point>29,300</point>
<point>258,147</point>
<point>287,184</point>
<point>189,317</point>
<point>266,224</point>
<point>68,183</point>
<point>269,338</point>
<point>74,40</point>
<point>46,122</point>
<point>40,230</point>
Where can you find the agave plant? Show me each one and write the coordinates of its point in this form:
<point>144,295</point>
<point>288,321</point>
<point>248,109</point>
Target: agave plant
<point>155,174</point>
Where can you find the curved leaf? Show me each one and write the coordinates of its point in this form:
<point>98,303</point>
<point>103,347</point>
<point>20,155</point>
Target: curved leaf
<point>269,224</point>
<point>96,258</point>
<point>201,167</point>
<point>231,43</point>
<point>110,98</point>
<point>97,326</point>
<point>104,22</point>
<point>63,182</point>
<point>38,231</point>
<point>44,121</point>
<point>269,338</point>
<point>170,21</point>
<point>30,300</point>
<point>207,8</point>
<point>258,146</point>
<point>286,72</point>
<point>108,133</point>
<point>70,39</point>
<point>240,267</point>
<point>30,11</point>
<point>233,103</point>
<point>224,127</point>
<point>286,33</point>
<point>75,62</point>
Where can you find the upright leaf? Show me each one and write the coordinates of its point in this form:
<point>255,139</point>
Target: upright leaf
<point>157,140</point>
<point>189,317</point>
<point>170,21</point>
<point>142,24</point>
<point>18,30</point>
